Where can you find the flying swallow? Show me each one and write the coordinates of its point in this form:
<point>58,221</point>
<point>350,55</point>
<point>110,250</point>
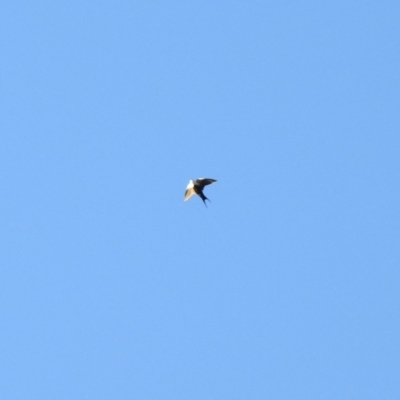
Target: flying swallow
<point>197,187</point>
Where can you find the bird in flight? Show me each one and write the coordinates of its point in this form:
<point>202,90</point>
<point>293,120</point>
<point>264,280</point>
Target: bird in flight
<point>197,187</point>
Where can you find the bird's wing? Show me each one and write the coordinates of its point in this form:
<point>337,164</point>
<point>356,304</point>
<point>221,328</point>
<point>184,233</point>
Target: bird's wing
<point>189,193</point>
<point>204,181</point>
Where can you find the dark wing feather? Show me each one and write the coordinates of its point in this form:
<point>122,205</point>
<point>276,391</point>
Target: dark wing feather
<point>201,182</point>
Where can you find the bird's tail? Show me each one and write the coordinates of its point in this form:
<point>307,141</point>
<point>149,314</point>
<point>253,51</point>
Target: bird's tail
<point>204,198</point>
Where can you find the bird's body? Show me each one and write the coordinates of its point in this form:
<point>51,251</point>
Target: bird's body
<point>196,187</point>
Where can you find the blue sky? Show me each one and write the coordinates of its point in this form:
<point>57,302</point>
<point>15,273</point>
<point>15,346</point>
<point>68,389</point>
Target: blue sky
<point>286,286</point>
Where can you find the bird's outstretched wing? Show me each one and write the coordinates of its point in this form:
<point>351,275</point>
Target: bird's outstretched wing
<point>188,193</point>
<point>201,182</point>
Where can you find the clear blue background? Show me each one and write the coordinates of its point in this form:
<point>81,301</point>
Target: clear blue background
<point>286,286</point>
